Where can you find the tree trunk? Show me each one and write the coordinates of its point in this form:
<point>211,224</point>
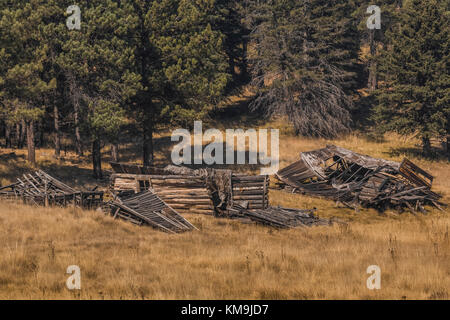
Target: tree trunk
<point>97,159</point>
<point>373,79</point>
<point>2,131</point>
<point>18,138</point>
<point>115,152</point>
<point>23,134</point>
<point>30,142</point>
<point>426,146</point>
<point>20,134</point>
<point>57,131</point>
<point>244,66</point>
<point>76,115</point>
<point>74,94</point>
<point>148,144</point>
<point>7,136</point>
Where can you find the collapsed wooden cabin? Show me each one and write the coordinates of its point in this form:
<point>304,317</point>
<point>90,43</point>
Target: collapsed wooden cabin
<point>146,208</point>
<point>355,179</point>
<point>192,191</point>
<point>42,189</point>
<point>221,193</point>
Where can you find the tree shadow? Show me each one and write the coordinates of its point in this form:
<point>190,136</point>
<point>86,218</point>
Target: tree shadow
<point>244,161</point>
<point>71,174</point>
<point>362,114</point>
<point>236,114</point>
<point>436,154</point>
<point>74,176</point>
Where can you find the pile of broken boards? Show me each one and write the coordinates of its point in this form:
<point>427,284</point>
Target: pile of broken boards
<point>354,179</point>
<point>42,189</point>
<point>146,208</point>
<point>205,191</point>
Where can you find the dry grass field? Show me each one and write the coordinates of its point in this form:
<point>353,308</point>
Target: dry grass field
<point>225,259</point>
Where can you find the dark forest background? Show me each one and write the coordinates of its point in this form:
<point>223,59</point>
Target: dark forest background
<point>143,66</point>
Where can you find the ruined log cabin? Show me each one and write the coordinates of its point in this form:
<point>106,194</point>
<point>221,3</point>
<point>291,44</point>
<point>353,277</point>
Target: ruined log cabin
<point>355,179</point>
<point>192,191</point>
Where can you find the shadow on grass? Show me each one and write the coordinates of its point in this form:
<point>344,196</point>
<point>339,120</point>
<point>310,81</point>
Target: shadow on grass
<point>236,115</point>
<point>163,151</point>
<point>13,166</point>
<point>436,154</point>
<point>74,176</point>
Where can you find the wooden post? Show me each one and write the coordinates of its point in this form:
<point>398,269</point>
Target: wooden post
<point>264,193</point>
<point>137,187</point>
<point>46,204</point>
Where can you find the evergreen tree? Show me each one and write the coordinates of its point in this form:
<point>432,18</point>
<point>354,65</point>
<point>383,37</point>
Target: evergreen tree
<point>193,59</point>
<point>415,96</point>
<point>52,30</point>
<point>181,61</point>
<point>229,20</point>
<point>23,56</point>
<point>373,39</point>
<point>96,63</point>
<point>302,57</point>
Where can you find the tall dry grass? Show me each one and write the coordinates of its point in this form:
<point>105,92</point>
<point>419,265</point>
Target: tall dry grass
<point>226,259</point>
<point>223,260</point>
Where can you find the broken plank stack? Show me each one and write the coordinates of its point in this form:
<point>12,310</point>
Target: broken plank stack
<point>146,208</point>
<point>278,217</point>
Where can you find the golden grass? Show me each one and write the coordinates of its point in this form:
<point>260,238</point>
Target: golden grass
<point>223,260</point>
<point>226,259</point>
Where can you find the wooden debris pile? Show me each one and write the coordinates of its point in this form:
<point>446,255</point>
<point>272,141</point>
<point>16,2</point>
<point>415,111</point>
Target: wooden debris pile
<point>278,217</point>
<point>354,179</point>
<point>221,193</point>
<point>42,189</point>
<point>146,208</point>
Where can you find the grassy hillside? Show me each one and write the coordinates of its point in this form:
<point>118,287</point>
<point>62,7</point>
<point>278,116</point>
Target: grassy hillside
<point>225,259</point>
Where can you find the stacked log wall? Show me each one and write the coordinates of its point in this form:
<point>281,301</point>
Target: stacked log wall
<point>252,189</point>
<point>189,194</point>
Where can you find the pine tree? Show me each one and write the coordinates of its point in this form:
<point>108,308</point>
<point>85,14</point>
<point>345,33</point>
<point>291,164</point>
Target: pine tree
<point>181,62</point>
<point>96,63</point>
<point>229,20</point>
<point>302,57</point>
<point>52,30</point>
<point>192,56</point>
<point>415,96</point>
<point>23,56</point>
<point>373,39</point>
